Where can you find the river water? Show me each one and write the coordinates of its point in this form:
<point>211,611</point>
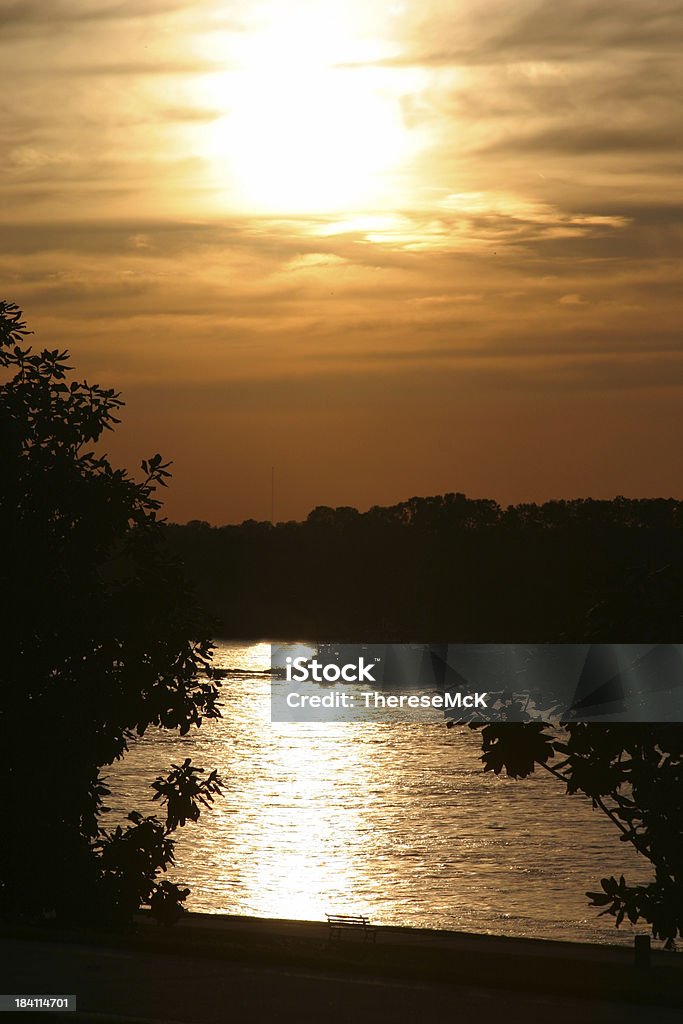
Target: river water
<point>397,821</point>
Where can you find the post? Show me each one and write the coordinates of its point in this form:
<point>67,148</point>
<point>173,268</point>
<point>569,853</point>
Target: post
<point>272,495</point>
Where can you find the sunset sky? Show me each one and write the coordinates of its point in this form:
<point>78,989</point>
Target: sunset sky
<point>390,248</point>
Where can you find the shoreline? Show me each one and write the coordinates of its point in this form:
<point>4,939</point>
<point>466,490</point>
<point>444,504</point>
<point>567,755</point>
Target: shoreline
<point>417,955</point>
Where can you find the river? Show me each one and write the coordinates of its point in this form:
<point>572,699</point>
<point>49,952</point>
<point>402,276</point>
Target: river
<point>397,821</point>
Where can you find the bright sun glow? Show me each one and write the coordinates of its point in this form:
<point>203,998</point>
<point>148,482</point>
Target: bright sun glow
<point>301,132</point>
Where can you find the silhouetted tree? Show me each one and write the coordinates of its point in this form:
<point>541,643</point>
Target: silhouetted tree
<point>101,639</point>
<point>448,566</point>
<point>634,775</point>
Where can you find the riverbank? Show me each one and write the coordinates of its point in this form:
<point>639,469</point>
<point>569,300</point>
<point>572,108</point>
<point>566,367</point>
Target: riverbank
<point>397,956</point>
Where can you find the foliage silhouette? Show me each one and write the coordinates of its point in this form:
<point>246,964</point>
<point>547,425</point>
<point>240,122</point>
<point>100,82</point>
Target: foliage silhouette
<point>102,638</point>
<point>450,568</point>
<point>634,775</point>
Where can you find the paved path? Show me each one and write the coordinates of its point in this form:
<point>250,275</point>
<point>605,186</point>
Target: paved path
<point>182,990</point>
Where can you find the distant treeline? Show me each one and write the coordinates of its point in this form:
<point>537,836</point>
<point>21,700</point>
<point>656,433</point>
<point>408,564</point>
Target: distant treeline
<point>447,568</point>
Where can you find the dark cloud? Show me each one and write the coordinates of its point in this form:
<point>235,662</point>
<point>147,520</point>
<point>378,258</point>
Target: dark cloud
<point>618,231</point>
<point>496,31</point>
<point>582,139</point>
<point>170,238</point>
<point>280,241</point>
<point>320,384</point>
<point>151,66</point>
<point>541,342</point>
<point>576,28</point>
<point>44,15</point>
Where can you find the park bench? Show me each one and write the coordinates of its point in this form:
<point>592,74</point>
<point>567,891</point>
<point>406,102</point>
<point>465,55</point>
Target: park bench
<point>339,923</point>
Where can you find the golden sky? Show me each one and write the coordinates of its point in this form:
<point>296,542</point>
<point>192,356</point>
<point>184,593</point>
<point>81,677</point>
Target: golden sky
<point>391,248</point>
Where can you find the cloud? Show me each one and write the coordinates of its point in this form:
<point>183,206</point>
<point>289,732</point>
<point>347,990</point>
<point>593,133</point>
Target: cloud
<point>44,15</point>
<point>571,28</point>
<point>582,139</point>
<point>307,303</point>
<point>152,66</point>
<point>516,293</point>
<point>497,32</point>
<point>32,158</point>
<point>188,115</point>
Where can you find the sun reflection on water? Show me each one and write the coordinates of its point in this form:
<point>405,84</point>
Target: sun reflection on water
<point>395,821</point>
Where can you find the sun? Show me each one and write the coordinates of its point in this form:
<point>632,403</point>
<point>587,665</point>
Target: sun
<point>319,140</point>
<point>305,128</point>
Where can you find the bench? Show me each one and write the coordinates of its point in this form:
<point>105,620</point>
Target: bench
<point>339,923</point>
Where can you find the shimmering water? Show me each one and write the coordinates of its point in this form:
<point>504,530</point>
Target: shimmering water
<point>397,821</point>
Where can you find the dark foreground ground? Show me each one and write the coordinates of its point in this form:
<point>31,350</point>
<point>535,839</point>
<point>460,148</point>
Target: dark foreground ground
<point>262,971</point>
